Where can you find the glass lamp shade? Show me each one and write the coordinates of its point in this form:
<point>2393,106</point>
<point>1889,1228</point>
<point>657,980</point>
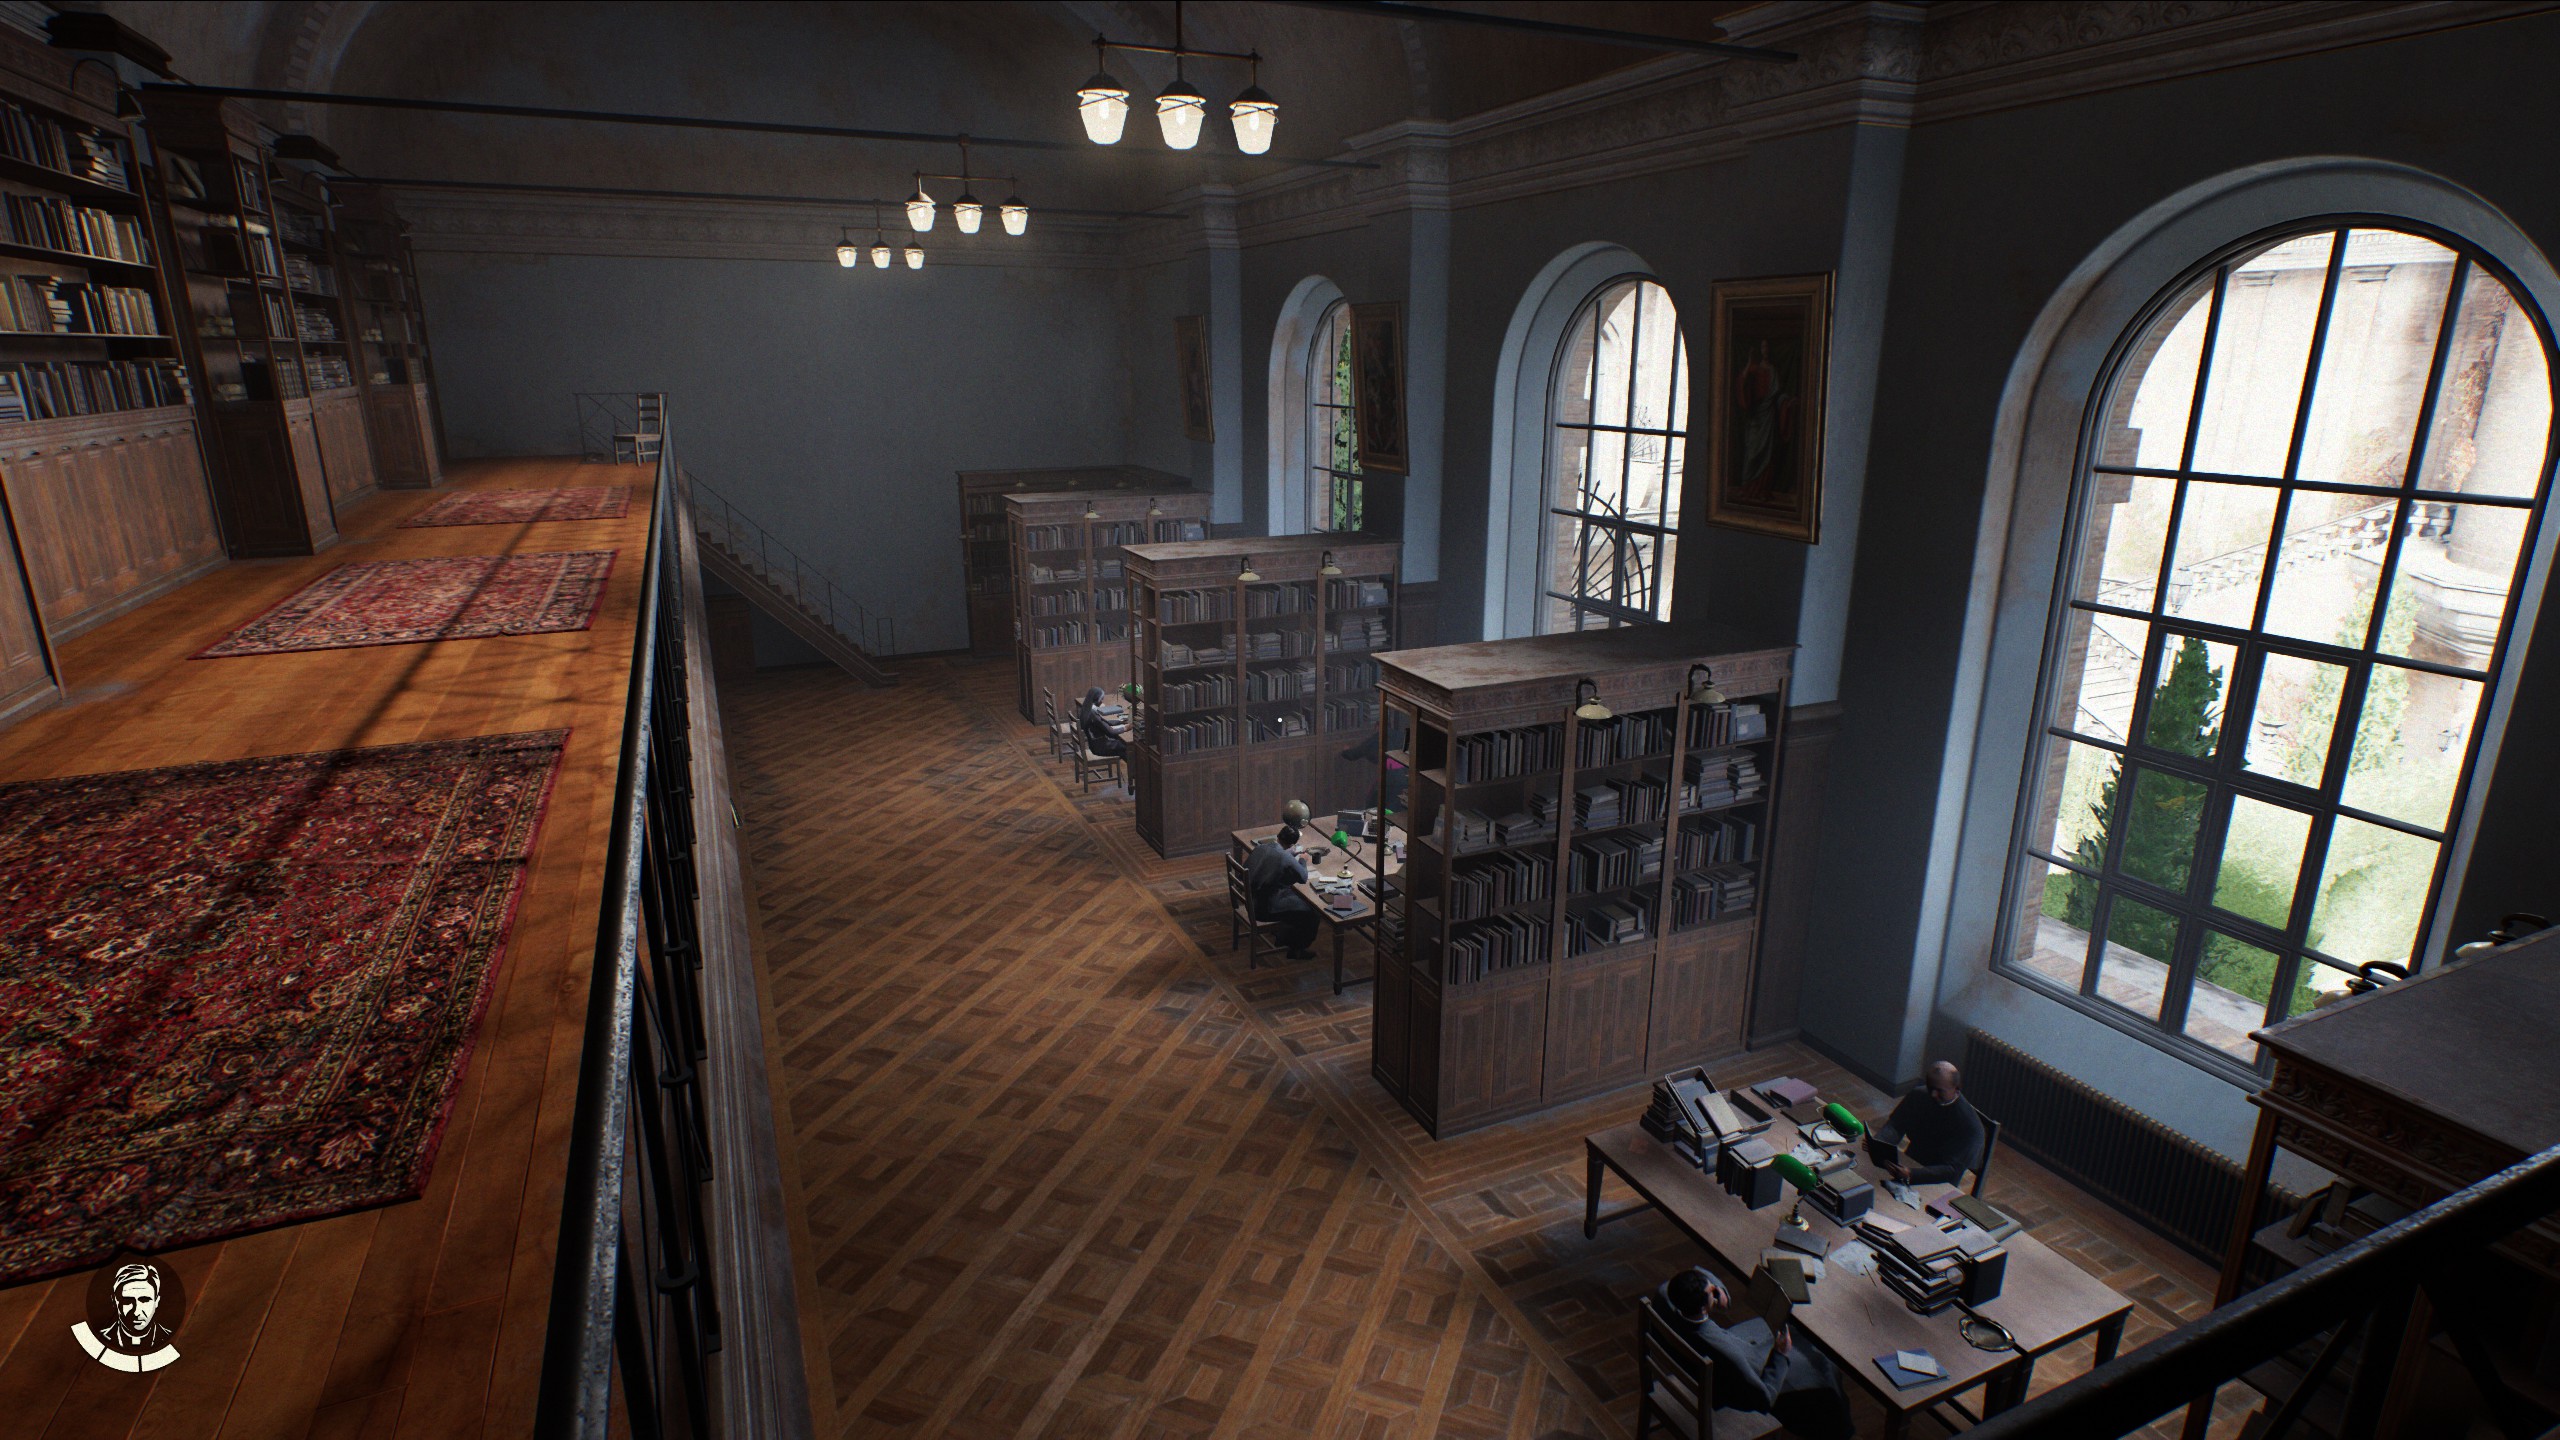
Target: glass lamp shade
<point>965,212</point>
<point>1179,111</point>
<point>915,257</point>
<point>1103,105</point>
<point>879,257</point>
<point>848,255</point>
<point>1017,216</point>
<point>920,211</point>
<point>1256,115</point>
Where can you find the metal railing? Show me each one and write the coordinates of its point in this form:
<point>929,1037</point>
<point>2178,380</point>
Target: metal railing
<point>720,522</point>
<point>2368,1289</point>
<point>603,414</point>
<point>631,1288</point>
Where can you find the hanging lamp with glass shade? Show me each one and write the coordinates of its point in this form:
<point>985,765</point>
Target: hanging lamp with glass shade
<point>1255,113</point>
<point>879,242</point>
<point>920,209</point>
<point>915,257</point>
<point>1102,102</point>
<point>1179,110</point>
<point>1017,216</point>
<point>965,212</point>
<point>848,254</point>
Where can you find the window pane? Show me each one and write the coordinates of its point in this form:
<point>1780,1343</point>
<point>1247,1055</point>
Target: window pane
<point>2102,671</point>
<point>2261,349</point>
<point>2160,826</point>
<point>1573,370</point>
<point>2053,928</point>
<point>2315,986</point>
<point>2261,861</point>
<point>2133,966</point>
<point>2076,796</point>
<point>2296,711</point>
<point>2493,414</point>
<point>2222,547</point>
<point>1604,481</point>
<point>2373,890</point>
<point>2410,744</point>
<point>1645,457</point>
<point>1617,312</point>
<point>1676,461</point>
<point>2185,717</point>
<point>2326,567</point>
<point>2128,524</point>
<point>2449,598</point>
<point>1564,552</point>
<point>1668,546</point>
<point>2148,421</point>
<point>2374,362</point>
<point>2233,982</point>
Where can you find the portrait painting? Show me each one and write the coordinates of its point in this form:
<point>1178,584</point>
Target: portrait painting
<point>1377,385</point>
<point>1191,367</point>
<point>1770,350</point>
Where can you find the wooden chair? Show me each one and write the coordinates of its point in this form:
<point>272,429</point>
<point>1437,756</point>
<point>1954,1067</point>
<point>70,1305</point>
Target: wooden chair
<point>640,443</point>
<point>1676,1385</point>
<point>1990,1143</point>
<point>1241,926</point>
<point>1061,732</point>
<point>1091,767</point>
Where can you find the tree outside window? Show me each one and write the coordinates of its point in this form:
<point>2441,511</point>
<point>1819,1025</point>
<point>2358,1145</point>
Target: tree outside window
<point>1337,498</point>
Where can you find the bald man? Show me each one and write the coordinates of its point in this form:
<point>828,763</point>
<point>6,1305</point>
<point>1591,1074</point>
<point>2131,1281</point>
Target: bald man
<point>1940,1127</point>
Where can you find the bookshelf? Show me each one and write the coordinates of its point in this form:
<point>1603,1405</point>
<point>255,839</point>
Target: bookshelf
<point>1252,690</point>
<point>1070,597</point>
<point>307,229</point>
<point>103,502</point>
<point>220,224</point>
<point>986,556</point>
<point>1581,897</point>
<point>378,276</point>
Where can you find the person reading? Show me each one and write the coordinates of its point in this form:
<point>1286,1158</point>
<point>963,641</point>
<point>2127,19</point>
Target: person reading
<point>1757,1369</point>
<point>1095,727</point>
<point>1933,1136</point>
<point>1271,877</point>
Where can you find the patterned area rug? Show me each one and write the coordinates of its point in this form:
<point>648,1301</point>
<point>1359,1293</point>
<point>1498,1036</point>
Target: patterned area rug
<point>401,602</point>
<point>525,507</point>
<point>241,994</point>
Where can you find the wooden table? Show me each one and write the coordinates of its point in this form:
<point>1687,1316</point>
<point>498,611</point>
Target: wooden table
<point>1364,910</point>
<point>2045,1300</point>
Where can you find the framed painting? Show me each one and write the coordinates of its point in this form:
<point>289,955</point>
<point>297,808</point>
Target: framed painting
<point>1377,385</point>
<point>1769,352</point>
<point>1191,366</point>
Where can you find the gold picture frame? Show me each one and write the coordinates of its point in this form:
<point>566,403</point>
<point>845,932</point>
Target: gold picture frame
<point>1769,352</point>
<point>1377,385</point>
<point>1191,371</point>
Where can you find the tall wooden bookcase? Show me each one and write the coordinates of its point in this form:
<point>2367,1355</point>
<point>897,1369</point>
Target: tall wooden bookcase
<point>103,502</point>
<point>1070,599</point>
<point>324,327</point>
<point>1580,905</point>
<point>1250,690</point>
<point>393,368</point>
<point>986,557</point>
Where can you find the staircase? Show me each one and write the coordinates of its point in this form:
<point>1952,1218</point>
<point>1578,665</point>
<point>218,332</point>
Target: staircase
<point>746,557</point>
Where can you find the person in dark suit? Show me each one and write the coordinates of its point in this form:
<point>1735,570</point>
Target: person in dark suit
<point>1941,1128</point>
<point>1271,877</point>
<point>1096,729</point>
<point>1758,1371</point>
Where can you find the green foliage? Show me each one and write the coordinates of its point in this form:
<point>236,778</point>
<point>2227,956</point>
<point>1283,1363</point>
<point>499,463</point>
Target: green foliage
<point>2160,825</point>
<point>2244,969</point>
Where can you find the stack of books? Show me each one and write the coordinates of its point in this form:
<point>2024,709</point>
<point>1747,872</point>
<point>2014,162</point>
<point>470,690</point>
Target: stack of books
<point>1919,1263</point>
<point>1522,828</point>
<point>1351,594</point>
<point>1366,631</point>
<point>1728,724</point>
<point>1730,841</point>
<point>1718,778</point>
<point>1470,831</point>
<point>1603,923</point>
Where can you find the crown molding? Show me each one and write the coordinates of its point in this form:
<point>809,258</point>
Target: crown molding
<point>469,222</point>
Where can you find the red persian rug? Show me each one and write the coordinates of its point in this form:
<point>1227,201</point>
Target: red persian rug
<point>240,994</point>
<point>525,507</point>
<point>401,602</point>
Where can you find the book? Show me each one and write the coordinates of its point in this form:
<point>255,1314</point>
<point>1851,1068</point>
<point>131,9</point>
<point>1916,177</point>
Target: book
<point>1999,1223</point>
<point>1903,1378</point>
<point>1786,1093</point>
<point>1786,1273</point>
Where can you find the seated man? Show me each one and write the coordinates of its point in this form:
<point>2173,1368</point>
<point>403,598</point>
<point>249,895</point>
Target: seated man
<point>1271,877</point>
<point>1756,1371</point>
<point>1941,1127</point>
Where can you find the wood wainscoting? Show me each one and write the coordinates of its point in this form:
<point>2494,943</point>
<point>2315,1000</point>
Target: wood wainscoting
<point>346,453</point>
<point>1776,995</point>
<point>108,511</point>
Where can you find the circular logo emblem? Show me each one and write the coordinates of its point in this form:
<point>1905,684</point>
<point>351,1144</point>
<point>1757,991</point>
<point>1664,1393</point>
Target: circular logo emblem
<point>135,1307</point>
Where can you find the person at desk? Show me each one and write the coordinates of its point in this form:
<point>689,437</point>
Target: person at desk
<point>1757,1371</point>
<point>1271,877</point>
<point>1940,1126</point>
<point>1095,727</point>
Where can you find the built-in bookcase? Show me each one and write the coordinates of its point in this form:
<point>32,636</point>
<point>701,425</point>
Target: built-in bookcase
<point>986,554</point>
<point>1256,659</point>
<point>1071,597</point>
<point>1581,897</point>
<point>387,342</point>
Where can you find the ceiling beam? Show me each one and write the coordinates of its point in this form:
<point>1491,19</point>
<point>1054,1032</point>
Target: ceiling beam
<point>1406,10</point>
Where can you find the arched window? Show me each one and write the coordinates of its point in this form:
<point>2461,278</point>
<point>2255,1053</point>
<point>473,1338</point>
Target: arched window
<point>1334,497</point>
<point>1618,433</point>
<point>2310,482</point>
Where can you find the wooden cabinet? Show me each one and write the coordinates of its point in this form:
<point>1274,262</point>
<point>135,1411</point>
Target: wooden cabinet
<point>387,337</point>
<point>26,671</point>
<point>986,565</point>
<point>1590,818</point>
<point>1070,595</point>
<point>346,453</point>
<point>109,511</point>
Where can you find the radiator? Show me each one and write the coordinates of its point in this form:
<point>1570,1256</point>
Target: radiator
<point>2182,1190</point>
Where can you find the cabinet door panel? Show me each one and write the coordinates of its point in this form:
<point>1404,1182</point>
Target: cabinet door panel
<point>1698,996</point>
<point>1496,1059</point>
<point>22,663</point>
<point>1596,1024</point>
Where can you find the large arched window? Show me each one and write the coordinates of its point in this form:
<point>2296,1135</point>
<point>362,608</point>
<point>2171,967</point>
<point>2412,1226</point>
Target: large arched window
<point>1335,500</point>
<point>2310,482</point>
<point>1618,435</point>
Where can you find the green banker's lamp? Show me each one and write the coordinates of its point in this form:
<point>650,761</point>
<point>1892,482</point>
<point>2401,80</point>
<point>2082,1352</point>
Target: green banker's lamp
<point>1843,1119</point>
<point>1800,1175</point>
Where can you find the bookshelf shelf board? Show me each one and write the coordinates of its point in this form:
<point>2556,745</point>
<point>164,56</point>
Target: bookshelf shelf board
<point>27,172</point>
<point>77,257</point>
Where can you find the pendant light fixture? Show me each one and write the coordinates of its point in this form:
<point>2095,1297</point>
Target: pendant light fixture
<point>879,242</point>
<point>1179,111</point>
<point>915,256</point>
<point>1255,115</point>
<point>848,254</point>
<point>1017,216</point>
<point>1102,102</point>
<point>966,210</point>
<point>920,208</point>
<point>1586,694</point>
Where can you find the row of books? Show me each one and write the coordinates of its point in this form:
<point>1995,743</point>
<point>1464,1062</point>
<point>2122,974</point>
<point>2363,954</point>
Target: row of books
<point>1506,942</point>
<point>1351,675</point>
<point>1729,841</point>
<point>1278,644</point>
<point>1633,801</point>
<point>53,223</point>
<point>1353,594</point>
<point>1499,882</point>
<point>1207,692</point>
<point>1713,894</point>
<point>1049,637</point>
<point>1172,656</point>
<point>1056,602</point>
<point>1726,724</point>
<point>1340,715</point>
<point>1116,533</point>
<point>232,248</point>
<point>1358,632</point>
<point>74,150</point>
<point>313,323</point>
<point>303,274</point>
<point>1718,778</point>
<point>331,372</point>
<point>1282,726</point>
<point>47,305</point>
<point>1472,832</point>
<point>1209,732</point>
<point>1106,567</point>
<point>1603,923</point>
<point>1628,737</point>
<point>1262,600</point>
<point>1047,575</point>
<point>1611,862</point>
<point>1052,537</point>
<point>1192,607</point>
<point>1277,684</point>
<point>1171,530</point>
<point>1504,754</point>
<point>50,390</point>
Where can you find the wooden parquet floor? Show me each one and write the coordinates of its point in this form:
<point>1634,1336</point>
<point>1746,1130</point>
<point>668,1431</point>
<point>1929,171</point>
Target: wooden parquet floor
<point>1070,1169</point>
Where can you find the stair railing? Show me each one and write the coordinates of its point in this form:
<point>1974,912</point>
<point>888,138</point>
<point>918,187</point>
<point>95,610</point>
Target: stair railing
<point>603,414</point>
<point>720,522</point>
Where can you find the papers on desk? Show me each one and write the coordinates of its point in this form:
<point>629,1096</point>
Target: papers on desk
<point>1853,1257</point>
<point>1903,1193</point>
<point>1905,1368</point>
